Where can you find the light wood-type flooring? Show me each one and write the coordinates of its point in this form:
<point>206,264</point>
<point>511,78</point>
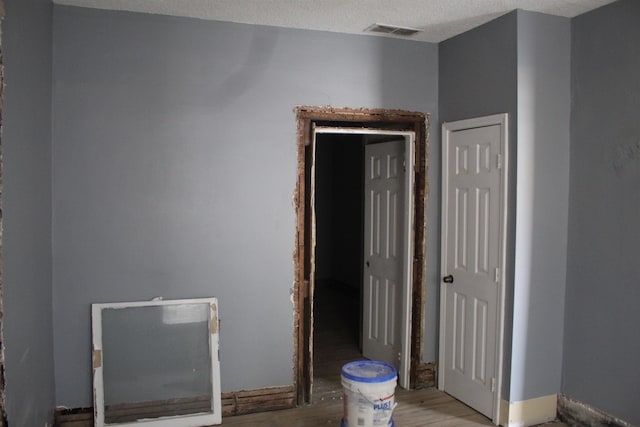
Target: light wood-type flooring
<point>336,323</point>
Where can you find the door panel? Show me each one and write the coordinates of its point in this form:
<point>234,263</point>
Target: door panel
<point>383,269</point>
<point>471,255</point>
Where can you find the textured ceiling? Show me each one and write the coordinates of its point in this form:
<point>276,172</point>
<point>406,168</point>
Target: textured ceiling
<point>439,19</point>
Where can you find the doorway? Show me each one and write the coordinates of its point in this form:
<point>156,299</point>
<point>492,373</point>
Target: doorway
<point>337,288</point>
<point>329,276</point>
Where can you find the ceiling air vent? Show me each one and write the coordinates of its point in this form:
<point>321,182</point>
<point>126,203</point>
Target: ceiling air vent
<point>392,29</point>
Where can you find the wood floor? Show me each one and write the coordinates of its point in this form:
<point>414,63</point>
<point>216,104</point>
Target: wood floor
<point>415,408</point>
<point>336,337</point>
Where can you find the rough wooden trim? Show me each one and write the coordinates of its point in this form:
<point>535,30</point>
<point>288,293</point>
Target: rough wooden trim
<point>130,412</point>
<point>306,116</point>
<point>233,403</point>
<point>425,375</point>
<point>78,417</point>
<point>300,265</point>
<point>421,129</point>
<point>261,400</point>
<point>575,413</point>
<point>357,114</point>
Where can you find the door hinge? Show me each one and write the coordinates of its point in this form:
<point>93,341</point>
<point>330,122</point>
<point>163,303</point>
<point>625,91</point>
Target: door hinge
<point>493,385</point>
<point>497,278</point>
<point>499,161</point>
<point>305,290</point>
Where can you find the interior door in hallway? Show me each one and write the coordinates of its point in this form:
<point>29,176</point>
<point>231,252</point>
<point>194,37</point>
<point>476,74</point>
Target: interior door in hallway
<point>383,254</point>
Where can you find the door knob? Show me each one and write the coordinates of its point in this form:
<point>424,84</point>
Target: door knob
<point>448,279</point>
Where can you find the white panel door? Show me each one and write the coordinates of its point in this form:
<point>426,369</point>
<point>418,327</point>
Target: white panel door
<point>383,251</point>
<point>471,260</point>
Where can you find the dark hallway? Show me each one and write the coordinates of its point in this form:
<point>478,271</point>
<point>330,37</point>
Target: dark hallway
<point>337,292</point>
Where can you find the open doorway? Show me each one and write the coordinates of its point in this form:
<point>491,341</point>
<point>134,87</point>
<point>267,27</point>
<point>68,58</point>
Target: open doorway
<point>338,257</point>
<point>329,275</point>
<point>362,247</point>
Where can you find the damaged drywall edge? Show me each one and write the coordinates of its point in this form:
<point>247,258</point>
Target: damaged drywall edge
<point>214,319</point>
<point>3,413</point>
<point>625,155</point>
<point>579,413</point>
<point>422,193</point>
<point>302,130</point>
<point>97,358</point>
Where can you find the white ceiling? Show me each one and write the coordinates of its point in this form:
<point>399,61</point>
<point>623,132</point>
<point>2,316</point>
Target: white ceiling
<point>439,19</point>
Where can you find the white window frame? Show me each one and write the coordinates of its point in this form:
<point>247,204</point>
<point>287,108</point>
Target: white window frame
<point>191,420</point>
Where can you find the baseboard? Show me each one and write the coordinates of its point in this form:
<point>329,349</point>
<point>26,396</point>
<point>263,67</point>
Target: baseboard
<point>233,403</point>
<point>261,400</point>
<point>575,413</point>
<point>528,412</point>
<point>76,417</point>
<point>425,376</point>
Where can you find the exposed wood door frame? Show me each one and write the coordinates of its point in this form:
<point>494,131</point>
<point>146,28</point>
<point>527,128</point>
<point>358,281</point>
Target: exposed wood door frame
<point>306,118</point>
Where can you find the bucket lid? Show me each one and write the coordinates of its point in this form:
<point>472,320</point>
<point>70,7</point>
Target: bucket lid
<point>369,371</point>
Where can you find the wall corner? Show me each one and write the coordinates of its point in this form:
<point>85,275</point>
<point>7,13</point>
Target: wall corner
<point>528,412</point>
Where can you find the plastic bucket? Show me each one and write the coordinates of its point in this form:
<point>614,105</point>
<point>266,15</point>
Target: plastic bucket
<point>369,389</point>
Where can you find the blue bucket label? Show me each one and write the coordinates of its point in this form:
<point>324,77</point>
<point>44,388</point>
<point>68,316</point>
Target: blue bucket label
<point>382,406</point>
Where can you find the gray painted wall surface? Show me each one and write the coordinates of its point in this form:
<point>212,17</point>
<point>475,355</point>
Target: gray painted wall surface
<point>542,193</point>
<point>478,78</point>
<point>26,201</point>
<point>602,343</point>
<point>478,71</point>
<point>519,64</point>
<point>175,165</point>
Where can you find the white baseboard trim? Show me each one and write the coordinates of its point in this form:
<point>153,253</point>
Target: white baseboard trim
<point>528,412</point>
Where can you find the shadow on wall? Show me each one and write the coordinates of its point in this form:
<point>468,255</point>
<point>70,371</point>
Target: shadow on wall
<point>240,81</point>
<point>420,68</point>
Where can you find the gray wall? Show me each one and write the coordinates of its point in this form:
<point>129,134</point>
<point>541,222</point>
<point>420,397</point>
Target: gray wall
<point>478,78</point>
<point>602,342</point>
<point>478,71</point>
<point>174,168</point>
<point>542,192</point>
<point>26,201</point>
<point>519,64</point>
